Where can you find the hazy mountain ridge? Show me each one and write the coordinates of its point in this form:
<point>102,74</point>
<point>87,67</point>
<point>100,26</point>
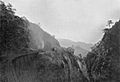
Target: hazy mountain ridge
<point>79,50</point>
<point>68,43</point>
<point>80,47</point>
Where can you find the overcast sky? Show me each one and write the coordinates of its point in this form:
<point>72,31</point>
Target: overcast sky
<point>77,20</point>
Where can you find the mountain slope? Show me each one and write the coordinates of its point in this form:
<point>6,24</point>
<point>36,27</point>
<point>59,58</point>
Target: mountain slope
<point>66,43</point>
<point>41,39</point>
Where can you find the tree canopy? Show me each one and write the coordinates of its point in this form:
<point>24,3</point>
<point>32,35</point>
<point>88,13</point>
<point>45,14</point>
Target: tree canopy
<point>14,33</point>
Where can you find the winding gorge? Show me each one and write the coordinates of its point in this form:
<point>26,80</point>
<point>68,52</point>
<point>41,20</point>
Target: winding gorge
<point>29,54</point>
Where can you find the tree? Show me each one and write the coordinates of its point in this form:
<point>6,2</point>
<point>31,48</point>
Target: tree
<point>14,33</point>
<point>110,22</point>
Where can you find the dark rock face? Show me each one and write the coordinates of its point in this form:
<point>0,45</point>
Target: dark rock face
<point>103,62</point>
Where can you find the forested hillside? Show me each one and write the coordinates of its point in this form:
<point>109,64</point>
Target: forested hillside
<point>103,62</point>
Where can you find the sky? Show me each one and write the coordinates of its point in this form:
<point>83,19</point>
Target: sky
<point>77,20</point>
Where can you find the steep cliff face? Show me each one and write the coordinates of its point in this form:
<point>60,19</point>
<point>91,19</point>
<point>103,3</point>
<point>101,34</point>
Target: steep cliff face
<point>103,62</point>
<point>41,39</point>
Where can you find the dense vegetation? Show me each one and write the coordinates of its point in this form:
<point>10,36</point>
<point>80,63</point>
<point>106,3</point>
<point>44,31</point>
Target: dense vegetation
<point>14,35</point>
<point>103,61</point>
